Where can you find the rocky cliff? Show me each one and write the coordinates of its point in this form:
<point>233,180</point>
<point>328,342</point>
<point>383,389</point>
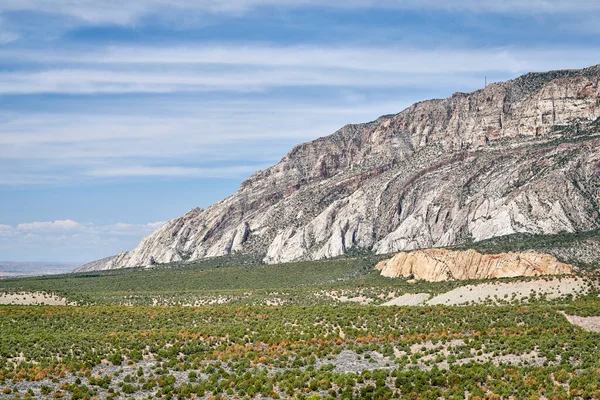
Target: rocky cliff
<point>516,156</point>
<point>436,265</point>
<point>112,262</point>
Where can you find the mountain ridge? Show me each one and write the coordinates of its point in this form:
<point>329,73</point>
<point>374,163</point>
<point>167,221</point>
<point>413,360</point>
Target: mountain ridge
<point>438,173</point>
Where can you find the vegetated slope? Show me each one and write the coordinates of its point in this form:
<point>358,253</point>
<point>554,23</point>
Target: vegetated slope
<point>442,264</point>
<point>236,280</point>
<point>204,279</point>
<point>578,248</point>
<point>520,156</point>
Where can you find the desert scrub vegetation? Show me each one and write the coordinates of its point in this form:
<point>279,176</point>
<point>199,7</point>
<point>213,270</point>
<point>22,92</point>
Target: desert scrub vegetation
<point>297,352</point>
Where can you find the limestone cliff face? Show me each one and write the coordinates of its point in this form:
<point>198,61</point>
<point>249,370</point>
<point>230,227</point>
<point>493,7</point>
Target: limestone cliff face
<point>517,156</point>
<point>436,265</point>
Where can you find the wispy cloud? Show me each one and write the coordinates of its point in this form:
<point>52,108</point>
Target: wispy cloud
<point>397,59</point>
<point>243,68</point>
<point>73,81</point>
<point>183,139</point>
<point>388,59</point>
<point>140,170</point>
<point>49,229</point>
<point>126,13</point>
<point>222,139</point>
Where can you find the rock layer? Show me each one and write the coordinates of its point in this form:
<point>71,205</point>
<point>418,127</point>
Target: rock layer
<point>516,156</point>
<point>437,265</point>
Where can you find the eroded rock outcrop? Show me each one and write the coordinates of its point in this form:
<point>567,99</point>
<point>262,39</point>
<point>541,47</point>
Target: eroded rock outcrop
<point>437,265</point>
<point>516,156</point>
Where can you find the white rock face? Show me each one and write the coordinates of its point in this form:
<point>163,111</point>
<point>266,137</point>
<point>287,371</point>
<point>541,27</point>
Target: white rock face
<point>473,166</point>
<point>435,265</point>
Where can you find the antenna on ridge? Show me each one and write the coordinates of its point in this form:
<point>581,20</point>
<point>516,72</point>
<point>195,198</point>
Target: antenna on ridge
<point>485,81</point>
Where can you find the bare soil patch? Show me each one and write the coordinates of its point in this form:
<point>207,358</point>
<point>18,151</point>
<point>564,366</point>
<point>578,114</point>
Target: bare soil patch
<point>505,292</point>
<point>32,299</point>
<point>591,324</point>
<point>408,299</point>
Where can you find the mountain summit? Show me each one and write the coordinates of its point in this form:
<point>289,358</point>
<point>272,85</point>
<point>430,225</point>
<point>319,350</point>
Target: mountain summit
<point>516,156</point>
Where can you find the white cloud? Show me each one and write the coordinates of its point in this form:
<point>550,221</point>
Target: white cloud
<point>397,59</point>
<point>84,242</point>
<point>127,13</point>
<point>244,68</point>
<point>86,81</point>
<point>33,229</point>
<point>21,177</point>
<point>59,225</point>
<point>125,229</point>
<point>238,170</point>
<point>6,230</point>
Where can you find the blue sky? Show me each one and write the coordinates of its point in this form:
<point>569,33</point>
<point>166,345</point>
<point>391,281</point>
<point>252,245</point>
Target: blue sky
<point>118,115</point>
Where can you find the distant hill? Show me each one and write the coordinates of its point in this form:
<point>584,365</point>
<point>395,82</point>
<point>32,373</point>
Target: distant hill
<point>15,269</point>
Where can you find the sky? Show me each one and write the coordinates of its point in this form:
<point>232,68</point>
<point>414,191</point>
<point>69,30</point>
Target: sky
<point>116,116</point>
